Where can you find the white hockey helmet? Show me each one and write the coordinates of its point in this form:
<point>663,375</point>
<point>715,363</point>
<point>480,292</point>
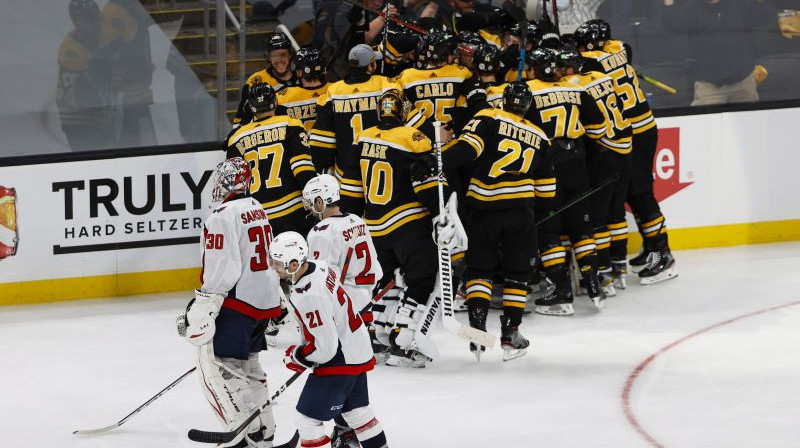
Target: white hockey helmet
<point>231,176</point>
<point>287,247</point>
<point>323,186</point>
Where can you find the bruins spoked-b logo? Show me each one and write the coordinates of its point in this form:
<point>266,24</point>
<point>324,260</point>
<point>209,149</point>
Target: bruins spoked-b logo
<point>8,222</point>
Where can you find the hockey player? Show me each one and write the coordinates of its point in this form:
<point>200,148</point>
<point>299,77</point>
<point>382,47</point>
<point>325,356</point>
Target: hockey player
<point>444,91</point>
<point>513,39</point>
<point>336,347</point>
<point>561,113</point>
<point>398,210</point>
<point>513,166</point>
<point>486,65</point>
<point>300,102</point>
<point>655,263</point>
<point>276,146</point>
<point>607,156</point>
<point>227,316</point>
<point>277,74</point>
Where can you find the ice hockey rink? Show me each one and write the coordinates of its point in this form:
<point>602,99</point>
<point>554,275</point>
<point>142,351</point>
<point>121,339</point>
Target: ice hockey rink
<point>710,359</point>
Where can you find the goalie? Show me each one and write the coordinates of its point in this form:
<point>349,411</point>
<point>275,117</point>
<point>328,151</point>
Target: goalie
<point>227,317</point>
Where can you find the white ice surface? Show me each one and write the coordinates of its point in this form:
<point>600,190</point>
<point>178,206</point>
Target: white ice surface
<point>86,364</point>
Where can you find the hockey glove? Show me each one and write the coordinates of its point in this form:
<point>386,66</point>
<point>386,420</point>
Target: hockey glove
<point>424,167</point>
<point>448,230</point>
<point>201,314</point>
<point>294,361</point>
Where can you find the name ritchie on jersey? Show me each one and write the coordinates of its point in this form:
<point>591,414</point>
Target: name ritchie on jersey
<point>519,134</point>
<point>261,137</point>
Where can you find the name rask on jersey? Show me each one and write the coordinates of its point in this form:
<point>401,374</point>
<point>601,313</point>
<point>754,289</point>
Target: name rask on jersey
<point>374,150</point>
<point>516,133</point>
<point>555,98</point>
<point>261,137</point>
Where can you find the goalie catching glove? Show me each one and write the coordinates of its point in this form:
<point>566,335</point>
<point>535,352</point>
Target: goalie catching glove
<point>198,323</point>
<point>447,227</point>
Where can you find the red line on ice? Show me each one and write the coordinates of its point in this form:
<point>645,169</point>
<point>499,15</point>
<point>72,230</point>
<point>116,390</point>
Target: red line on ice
<point>634,375</point>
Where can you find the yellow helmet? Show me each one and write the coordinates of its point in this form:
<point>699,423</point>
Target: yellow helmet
<point>393,106</point>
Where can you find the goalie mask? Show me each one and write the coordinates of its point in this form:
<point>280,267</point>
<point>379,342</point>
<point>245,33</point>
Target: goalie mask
<point>324,187</point>
<point>232,176</point>
<point>393,107</point>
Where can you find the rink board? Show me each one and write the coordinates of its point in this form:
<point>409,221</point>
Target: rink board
<point>132,225</point>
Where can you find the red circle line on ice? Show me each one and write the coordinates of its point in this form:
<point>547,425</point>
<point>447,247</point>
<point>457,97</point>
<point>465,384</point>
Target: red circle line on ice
<point>634,375</point>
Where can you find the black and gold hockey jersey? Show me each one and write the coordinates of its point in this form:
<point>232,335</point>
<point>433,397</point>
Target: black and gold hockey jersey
<point>346,109</point>
<point>602,112</point>
<point>277,150</point>
<point>391,198</point>
<point>243,114</point>
<point>494,95</point>
<point>556,109</point>
<point>626,83</point>
<point>442,94</point>
<point>513,161</point>
<point>300,103</point>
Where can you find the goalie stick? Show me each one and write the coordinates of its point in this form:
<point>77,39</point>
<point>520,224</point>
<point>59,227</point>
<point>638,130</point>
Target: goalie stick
<point>449,321</point>
<point>136,411</point>
<point>197,435</point>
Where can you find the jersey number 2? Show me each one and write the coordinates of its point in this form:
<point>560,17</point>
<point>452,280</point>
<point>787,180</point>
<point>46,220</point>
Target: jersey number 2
<point>262,236</point>
<point>353,318</point>
<point>362,252</point>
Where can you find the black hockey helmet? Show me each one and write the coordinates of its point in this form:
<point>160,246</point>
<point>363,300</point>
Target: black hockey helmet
<point>278,41</point>
<point>603,26</point>
<point>534,33</point>
<point>84,12</point>
<point>261,98</point>
<point>393,107</point>
<point>486,59</point>
<point>469,41</point>
<point>309,62</point>
<point>420,60</point>
<point>544,63</point>
<point>517,98</point>
<point>589,36</point>
<point>441,44</point>
<point>569,57</point>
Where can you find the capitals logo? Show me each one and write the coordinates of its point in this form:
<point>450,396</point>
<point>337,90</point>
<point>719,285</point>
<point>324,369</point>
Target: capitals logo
<point>8,222</point>
<point>667,163</point>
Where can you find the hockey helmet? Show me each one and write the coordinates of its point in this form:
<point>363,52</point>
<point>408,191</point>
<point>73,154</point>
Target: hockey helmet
<point>278,41</point>
<point>589,36</point>
<point>486,59</point>
<point>603,26</point>
<point>441,44</point>
<point>534,33</point>
<point>309,62</point>
<point>517,98</point>
<point>569,57</point>
<point>325,187</point>
<point>544,64</point>
<point>84,12</point>
<point>231,176</point>
<point>393,107</point>
<point>261,98</point>
<point>288,247</point>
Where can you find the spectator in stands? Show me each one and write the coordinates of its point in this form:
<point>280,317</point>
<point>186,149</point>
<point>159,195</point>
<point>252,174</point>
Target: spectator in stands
<point>721,36</point>
<point>572,13</point>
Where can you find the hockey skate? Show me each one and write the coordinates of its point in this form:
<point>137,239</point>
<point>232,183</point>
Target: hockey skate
<point>639,262</point>
<point>477,319</point>
<point>344,438</point>
<point>607,283</point>
<point>380,351</point>
<point>619,272</point>
<point>514,344</point>
<point>406,358</point>
<point>557,301</point>
<point>660,267</point>
<point>460,301</point>
<point>591,287</point>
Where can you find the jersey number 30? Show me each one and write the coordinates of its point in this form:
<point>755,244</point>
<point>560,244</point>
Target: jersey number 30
<point>262,236</point>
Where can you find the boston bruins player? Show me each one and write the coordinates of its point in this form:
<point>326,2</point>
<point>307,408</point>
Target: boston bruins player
<point>606,156</point>
<point>277,74</point>
<point>486,64</point>
<point>398,210</point>
<point>559,110</point>
<point>513,166</point>
<point>300,102</point>
<point>445,92</point>
<point>276,146</point>
<point>655,263</point>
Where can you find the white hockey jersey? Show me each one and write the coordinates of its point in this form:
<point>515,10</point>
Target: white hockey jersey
<point>343,241</point>
<point>336,339</point>
<point>236,239</point>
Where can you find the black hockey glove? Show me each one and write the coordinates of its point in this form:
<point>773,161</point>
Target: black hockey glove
<point>424,167</point>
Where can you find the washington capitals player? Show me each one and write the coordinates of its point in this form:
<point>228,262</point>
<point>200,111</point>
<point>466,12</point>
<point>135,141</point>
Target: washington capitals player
<point>240,292</point>
<point>336,347</point>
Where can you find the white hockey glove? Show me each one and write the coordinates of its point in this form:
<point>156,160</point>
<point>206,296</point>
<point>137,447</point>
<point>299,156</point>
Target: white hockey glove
<point>201,314</point>
<point>448,230</point>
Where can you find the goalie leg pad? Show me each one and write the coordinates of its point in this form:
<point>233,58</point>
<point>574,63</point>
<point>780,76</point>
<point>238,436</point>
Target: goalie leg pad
<point>408,315</point>
<point>383,314</point>
<point>259,391</point>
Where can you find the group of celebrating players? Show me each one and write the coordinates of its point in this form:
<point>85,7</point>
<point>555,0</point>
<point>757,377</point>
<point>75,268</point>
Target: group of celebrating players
<point>536,166</point>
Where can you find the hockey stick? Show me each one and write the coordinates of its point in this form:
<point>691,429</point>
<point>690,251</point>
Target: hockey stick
<point>197,435</point>
<point>378,296</point>
<point>611,179</point>
<point>136,411</point>
<point>449,321</point>
<point>657,83</point>
<point>519,16</point>
<point>555,16</point>
<point>394,19</point>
